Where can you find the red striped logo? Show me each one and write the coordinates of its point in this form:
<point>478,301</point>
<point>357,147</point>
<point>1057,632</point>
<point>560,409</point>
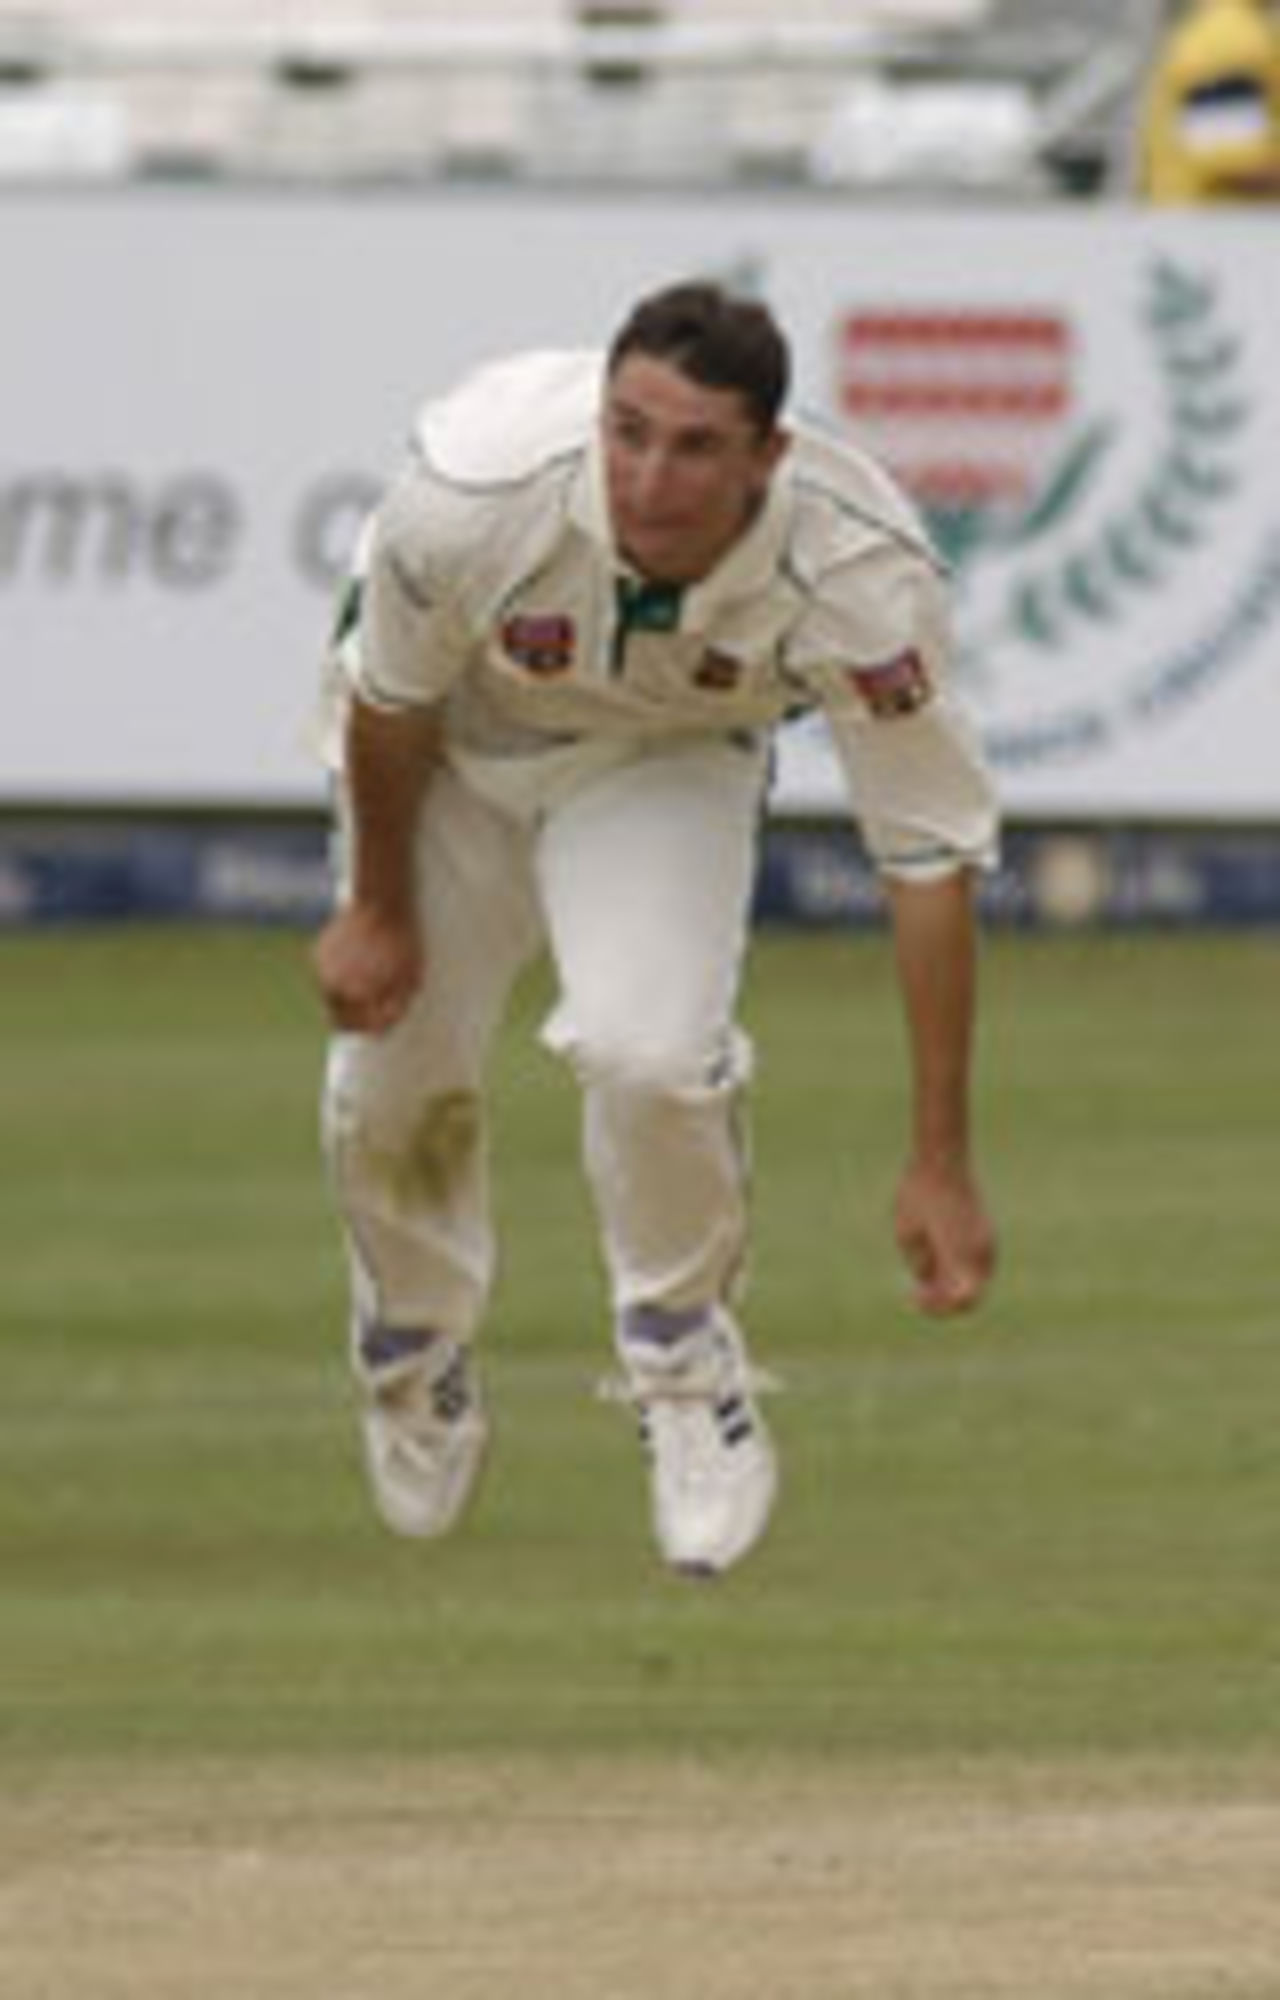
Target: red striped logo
<point>966,407</point>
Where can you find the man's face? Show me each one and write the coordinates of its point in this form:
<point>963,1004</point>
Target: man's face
<point>685,468</point>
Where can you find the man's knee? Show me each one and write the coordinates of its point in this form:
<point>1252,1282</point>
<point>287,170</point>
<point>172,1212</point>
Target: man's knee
<point>644,1060</point>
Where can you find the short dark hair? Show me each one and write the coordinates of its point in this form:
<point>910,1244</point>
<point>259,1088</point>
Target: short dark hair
<point>716,339</point>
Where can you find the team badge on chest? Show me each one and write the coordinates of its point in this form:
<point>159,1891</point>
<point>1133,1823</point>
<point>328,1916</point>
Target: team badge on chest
<point>541,642</point>
<point>718,672</point>
<point>893,687</point>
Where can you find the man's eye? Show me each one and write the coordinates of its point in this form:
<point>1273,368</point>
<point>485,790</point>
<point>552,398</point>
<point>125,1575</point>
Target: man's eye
<point>627,431</point>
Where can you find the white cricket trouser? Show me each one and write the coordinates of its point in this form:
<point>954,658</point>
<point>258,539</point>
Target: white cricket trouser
<point>638,878</point>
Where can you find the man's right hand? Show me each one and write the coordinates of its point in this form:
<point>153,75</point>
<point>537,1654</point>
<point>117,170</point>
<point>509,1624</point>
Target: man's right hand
<point>368,968</point>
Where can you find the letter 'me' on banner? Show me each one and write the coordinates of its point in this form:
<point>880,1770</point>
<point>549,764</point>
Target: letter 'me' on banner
<point>1081,404</point>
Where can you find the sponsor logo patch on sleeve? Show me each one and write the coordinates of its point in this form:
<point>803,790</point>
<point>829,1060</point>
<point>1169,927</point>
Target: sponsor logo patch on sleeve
<point>542,642</point>
<point>893,687</point>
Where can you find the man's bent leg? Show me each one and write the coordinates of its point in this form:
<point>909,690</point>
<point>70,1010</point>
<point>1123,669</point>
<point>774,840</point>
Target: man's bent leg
<point>647,879</point>
<point>405,1141</point>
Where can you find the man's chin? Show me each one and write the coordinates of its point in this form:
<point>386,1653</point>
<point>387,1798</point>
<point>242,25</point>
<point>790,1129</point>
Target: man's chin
<point>661,558</point>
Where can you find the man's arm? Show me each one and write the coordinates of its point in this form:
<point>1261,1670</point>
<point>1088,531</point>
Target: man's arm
<point>368,959</point>
<point>940,1220</point>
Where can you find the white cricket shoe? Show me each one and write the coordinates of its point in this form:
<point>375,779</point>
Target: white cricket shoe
<point>425,1433</point>
<point>713,1471</point>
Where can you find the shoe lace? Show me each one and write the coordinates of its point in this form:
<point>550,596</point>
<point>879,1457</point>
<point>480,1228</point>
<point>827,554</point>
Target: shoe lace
<point>701,1383</point>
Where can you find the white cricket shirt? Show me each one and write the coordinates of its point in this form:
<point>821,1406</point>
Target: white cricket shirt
<point>492,587</point>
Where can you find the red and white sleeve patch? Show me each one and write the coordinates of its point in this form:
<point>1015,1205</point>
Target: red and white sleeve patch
<point>893,687</point>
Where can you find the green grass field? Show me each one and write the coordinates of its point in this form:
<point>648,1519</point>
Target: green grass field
<point>1042,1539</point>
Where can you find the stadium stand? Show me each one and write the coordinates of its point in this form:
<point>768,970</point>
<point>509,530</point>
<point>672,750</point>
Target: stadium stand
<point>1019,95</point>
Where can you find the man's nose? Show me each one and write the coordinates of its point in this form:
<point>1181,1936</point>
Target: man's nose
<point>650,476</point>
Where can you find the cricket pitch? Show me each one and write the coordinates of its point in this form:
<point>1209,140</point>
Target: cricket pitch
<point>485,1880</point>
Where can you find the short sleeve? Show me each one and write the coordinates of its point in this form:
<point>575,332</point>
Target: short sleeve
<point>410,642</point>
<point>875,654</point>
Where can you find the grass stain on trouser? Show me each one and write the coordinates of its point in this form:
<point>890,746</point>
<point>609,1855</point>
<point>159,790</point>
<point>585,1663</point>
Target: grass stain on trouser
<point>441,1149</point>
<point>428,1163</point>
<point>417,1214</point>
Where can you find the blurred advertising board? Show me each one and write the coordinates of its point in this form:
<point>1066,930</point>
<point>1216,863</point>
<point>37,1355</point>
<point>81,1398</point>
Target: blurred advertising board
<point>203,391</point>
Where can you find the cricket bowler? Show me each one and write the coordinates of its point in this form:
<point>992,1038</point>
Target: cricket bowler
<point>587,600</point>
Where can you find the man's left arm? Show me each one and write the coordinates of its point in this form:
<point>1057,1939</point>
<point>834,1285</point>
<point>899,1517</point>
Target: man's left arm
<point>922,792</point>
<point>943,1230</point>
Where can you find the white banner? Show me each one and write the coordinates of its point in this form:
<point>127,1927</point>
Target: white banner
<point>202,391</point>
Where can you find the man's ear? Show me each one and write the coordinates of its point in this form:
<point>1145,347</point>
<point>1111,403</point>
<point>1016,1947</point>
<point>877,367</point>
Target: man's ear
<point>776,446</point>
